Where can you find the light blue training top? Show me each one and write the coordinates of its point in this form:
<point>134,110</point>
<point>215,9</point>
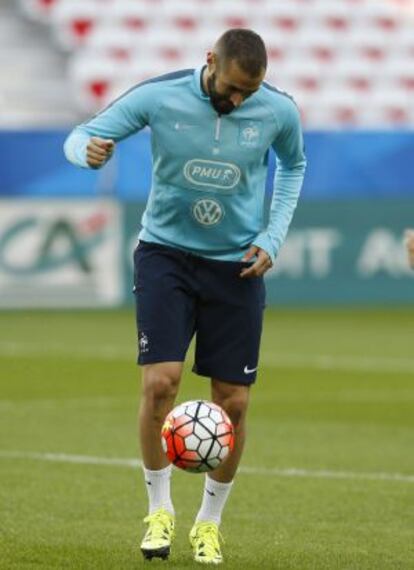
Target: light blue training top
<point>209,171</point>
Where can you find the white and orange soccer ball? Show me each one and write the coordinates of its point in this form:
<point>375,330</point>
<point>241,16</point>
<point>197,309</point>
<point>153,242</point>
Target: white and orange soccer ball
<point>197,436</point>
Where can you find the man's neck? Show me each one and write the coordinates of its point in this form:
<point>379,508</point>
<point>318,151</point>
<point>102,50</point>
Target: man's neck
<point>204,80</point>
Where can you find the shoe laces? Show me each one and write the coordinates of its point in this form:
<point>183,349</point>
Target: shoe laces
<point>209,537</point>
<point>159,523</point>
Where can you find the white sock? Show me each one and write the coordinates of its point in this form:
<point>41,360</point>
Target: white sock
<point>158,489</point>
<point>214,498</point>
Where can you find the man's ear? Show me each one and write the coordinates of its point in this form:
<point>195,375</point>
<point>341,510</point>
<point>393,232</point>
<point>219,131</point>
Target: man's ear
<point>211,61</point>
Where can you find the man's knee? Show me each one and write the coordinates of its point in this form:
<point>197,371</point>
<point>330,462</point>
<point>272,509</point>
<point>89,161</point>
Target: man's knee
<point>236,408</point>
<point>161,382</point>
<point>234,401</point>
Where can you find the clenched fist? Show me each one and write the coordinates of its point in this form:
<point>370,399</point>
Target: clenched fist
<point>99,151</point>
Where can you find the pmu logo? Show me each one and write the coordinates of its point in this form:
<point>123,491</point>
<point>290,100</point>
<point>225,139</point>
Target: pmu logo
<point>208,212</point>
<point>224,175</point>
<point>34,245</point>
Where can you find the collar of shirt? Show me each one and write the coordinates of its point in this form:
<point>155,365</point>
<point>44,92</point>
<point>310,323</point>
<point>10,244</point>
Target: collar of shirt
<point>198,84</point>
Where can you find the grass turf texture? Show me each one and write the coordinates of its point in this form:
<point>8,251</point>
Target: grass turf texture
<point>335,392</point>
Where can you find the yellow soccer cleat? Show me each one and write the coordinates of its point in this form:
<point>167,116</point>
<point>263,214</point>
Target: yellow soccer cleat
<point>160,533</point>
<point>204,538</point>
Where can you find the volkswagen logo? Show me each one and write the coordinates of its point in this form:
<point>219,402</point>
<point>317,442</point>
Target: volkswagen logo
<point>207,212</point>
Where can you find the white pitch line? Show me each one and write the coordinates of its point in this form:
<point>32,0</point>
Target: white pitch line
<point>134,463</point>
<point>66,458</point>
<point>324,362</point>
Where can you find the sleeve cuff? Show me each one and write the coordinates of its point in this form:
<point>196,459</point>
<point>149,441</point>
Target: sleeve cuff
<point>75,149</point>
<point>264,242</point>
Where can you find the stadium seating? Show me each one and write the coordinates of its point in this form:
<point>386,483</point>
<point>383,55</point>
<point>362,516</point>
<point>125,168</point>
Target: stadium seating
<point>74,21</point>
<point>39,9</point>
<point>348,62</point>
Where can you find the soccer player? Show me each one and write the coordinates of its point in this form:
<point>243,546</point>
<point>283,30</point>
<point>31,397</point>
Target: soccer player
<point>409,242</point>
<point>203,248</point>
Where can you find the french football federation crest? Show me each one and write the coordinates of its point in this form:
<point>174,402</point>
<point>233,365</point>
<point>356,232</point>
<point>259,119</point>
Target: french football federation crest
<point>143,342</point>
<point>250,133</point>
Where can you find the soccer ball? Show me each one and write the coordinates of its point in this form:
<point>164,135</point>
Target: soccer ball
<point>197,436</point>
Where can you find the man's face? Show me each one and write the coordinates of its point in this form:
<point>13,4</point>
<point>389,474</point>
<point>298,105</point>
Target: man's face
<point>229,86</point>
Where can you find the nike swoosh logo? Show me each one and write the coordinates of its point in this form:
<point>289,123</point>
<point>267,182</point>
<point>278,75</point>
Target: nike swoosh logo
<point>248,370</point>
<point>211,493</point>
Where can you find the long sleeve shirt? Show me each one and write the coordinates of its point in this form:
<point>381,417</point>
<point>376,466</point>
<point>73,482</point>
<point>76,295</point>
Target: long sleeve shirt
<point>209,171</point>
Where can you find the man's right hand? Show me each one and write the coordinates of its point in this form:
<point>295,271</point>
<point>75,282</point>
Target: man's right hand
<point>99,151</point>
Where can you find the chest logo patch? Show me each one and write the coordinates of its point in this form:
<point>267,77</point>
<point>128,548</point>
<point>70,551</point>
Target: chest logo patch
<point>250,133</point>
<point>207,212</point>
<point>224,175</point>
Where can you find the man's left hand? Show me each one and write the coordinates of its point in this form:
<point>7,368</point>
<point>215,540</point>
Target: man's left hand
<point>262,264</point>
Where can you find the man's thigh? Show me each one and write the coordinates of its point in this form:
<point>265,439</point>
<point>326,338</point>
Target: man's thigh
<point>165,304</point>
<point>229,324</point>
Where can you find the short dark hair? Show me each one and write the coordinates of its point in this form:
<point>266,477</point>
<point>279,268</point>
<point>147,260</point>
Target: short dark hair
<point>244,46</point>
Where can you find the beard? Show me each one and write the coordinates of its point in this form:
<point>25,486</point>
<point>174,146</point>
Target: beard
<point>221,103</point>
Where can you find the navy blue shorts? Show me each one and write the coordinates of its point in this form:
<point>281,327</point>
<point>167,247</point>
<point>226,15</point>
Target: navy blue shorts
<point>179,294</point>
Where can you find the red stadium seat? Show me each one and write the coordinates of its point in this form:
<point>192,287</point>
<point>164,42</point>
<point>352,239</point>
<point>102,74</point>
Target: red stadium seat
<point>334,16</point>
<point>184,16</point>
<point>390,107</point>
<point>385,17</point>
<point>305,74</point>
<point>229,14</point>
<point>74,21</point>
<point>345,115</point>
<point>400,72</point>
<point>284,17</point>
<point>397,116</point>
<point>135,16</point>
<point>386,23</point>
<point>276,54</point>
<point>92,78</point>
<point>39,9</point>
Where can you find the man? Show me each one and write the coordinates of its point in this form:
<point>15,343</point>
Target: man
<point>409,243</point>
<point>203,248</point>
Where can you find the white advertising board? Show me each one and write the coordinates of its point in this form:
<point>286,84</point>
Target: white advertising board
<point>60,253</point>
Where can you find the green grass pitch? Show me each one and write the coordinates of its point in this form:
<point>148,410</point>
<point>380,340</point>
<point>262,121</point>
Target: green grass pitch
<point>327,480</point>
